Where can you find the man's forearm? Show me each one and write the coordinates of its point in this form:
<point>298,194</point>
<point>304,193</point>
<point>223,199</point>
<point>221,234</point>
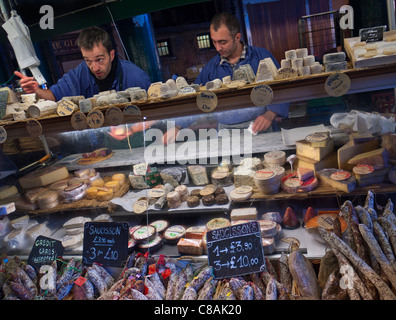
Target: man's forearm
<point>45,94</point>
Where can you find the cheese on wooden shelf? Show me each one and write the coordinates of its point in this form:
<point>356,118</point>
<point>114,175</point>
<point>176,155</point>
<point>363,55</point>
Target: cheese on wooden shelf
<point>346,185</point>
<point>7,191</point>
<point>351,149</point>
<point>304,148</point>
<point>378,158</point>
<point>244,214</point>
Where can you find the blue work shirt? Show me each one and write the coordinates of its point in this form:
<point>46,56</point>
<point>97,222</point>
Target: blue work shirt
<point>216,70</point>
<point>80,80</point>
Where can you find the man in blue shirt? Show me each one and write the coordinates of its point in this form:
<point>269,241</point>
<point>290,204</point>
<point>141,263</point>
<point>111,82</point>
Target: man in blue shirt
<point>101,71</point>
<point>226,37</point>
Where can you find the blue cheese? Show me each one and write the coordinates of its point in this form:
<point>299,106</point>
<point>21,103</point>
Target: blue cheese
<point>334,57</point>
<point>198,175</point>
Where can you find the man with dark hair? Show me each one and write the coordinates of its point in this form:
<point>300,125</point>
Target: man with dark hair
<point>101,71</point>
<point>232,53</point>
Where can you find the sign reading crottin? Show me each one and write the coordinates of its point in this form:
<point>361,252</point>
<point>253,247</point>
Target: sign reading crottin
<point>235,250</point>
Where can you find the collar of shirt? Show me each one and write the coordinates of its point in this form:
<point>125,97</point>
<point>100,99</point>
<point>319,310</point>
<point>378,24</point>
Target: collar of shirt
<point>233,65</point>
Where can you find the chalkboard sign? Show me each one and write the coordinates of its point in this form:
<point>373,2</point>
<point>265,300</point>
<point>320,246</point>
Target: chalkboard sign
<point>45,251</point>
<point>372,34</point>
<point>105,243</point>
<point>235,250</point>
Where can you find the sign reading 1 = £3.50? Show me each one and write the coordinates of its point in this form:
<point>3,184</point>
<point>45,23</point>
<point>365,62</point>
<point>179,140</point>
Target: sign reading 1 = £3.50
<point>235,250</point>
<point>105,243</point>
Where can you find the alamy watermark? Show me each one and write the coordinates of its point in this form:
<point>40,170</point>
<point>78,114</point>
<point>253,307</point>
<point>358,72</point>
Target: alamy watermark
<point>203,146</point>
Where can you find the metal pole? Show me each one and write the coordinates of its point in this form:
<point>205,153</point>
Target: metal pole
<point>391,14</point>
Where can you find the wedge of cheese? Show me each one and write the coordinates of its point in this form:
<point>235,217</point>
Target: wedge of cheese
<point>43,177</point>
<point>330,161</point>
<point>378,158</point>
<point>351,149</point>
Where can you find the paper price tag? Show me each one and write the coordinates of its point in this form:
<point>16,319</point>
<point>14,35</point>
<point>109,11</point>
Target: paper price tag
<point>79,121</point>
<point>66,108</point>
<point>34,128</point>
<point>95,119</point>
<point>131,110</point>
<point>207,101</point>
<point>3,135</point>
<point>114,116</point>
<point>337,84</point>
<point>261,95</point>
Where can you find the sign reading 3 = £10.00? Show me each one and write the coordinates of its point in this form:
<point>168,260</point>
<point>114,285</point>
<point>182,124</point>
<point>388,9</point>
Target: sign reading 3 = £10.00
<point>235,250</point>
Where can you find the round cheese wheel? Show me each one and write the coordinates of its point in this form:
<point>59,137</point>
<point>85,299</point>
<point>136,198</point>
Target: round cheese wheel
<point>144,233</point>
<point>48,197</point>
<point>273,216</point>
<point>120,177</point>
<point>174,233</point>
<point>151,245</point>
<point>160,225</point>
<point>182,190</point>
<point>317,137</point>
<point>268,245</point>
<point>91,193</point>
<point>275,157</point>
<point>157,191</point>
<point>114,185</point>
<point>98,183</point>
<point>173,196</point>
<point>59,186</point>
<point>104,194</point>
<point>241,193</point>
<point>218,223</point>
<point>268,228</point>
<point>74,190</point>
<point>140,206</point>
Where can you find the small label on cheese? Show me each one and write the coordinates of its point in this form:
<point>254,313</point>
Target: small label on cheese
<point>114,116</point>
<point>95,119</point>
<point>79,121</point>
<point>66,108</point>
<point>34,128</point>
<point>261,95</point>
<point>363,169</point>
<point>3,135</point>
<point>337,84</point>
<point>340,175</point>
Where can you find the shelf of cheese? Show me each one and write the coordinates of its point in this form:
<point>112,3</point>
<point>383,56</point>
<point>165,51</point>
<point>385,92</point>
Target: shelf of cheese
<point>286,90</point>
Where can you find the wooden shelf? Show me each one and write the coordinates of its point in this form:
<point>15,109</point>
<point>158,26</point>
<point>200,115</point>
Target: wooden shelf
<point>289,90</point>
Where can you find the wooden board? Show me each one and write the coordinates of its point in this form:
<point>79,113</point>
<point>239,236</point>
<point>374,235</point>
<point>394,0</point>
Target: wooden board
<point>87,161</point>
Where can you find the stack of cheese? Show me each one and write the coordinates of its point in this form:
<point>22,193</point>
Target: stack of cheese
<point>298,62</point>
<point>389,143</point>
<point>41,188</point>
<point>316,152</point>
<point>138,175</point>
<point>335,61</point>
<point>104,189</point>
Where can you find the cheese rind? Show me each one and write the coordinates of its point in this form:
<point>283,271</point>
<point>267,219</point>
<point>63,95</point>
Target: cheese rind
<point>43,177</point>
<point>305,149</point>
<point>244,214</point>
<point>378,158</point>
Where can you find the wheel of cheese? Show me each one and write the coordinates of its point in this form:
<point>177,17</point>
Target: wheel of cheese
<point>104,194</point>
<point>140,206</point>
<point>208,200</point>
<point>221,199</point>
<point>48,200</point>
<point>174,204</point>
<point>268,245</point>
<point>268,228</point>
<point>32,194</point>
<point>182,190</point>
<point>241,193</point>
<point>292,184</point>
<point>114,185</point>
<point>174,233</point>
<point>173,196</point>
<point>160,225</point>
<point>273,216</point>
<point>151,245</point>
<point>207,191</point>
<point>98,183</point>
<point>275,157</point>
<point>59,186</point>
<point>192,201</point>
<point>144,233</point>
<point>72,241</point>
<point>157,192</point>
<point>267,181</point>
<point>91,193</point>
<point>74,190</point>
<point>120,177</point>
<point>217,223</point>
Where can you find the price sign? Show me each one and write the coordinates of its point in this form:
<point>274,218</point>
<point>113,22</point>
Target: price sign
<point>372,34</point>
<point>131,110</point>
<point>261,95</point>
<point>3,135</point>
<point>95,119</point>
<point>105,243</point>
<point>337,84</point>
<point>114,116</point>
<point>34,128</point>
<point>207,101</point>
<point>79,121</point>
<point>45,251</point>
<point>235,250</point>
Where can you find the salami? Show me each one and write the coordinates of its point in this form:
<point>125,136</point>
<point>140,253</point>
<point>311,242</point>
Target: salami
<point>390,229</point>
<point>378,253</point>
<point>271,291</point>
<point>384,291</point>
<point>364,217</point>
<point>385,244</point>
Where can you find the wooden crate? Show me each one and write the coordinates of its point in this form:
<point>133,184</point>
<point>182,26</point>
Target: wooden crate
<point>378,60</point>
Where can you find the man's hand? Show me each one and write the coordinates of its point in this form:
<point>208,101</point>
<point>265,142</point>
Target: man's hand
<point>170,135</point>
<point>263,121</point>
<point>28,84</point>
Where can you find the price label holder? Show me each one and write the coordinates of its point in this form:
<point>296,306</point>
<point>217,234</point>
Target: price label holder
<point>337,84</point>
<point>235,250</point>
<point>95,119</point>
<point>105,243</point>
<point>207,101</point>
<point>114,116</point>
<point>79,121</point>
<point>3,135</point>
<point>261,95</point>
<point>34,128</point>
<point>131,110</point>
<point>44,251</point>
<point>66,108</point>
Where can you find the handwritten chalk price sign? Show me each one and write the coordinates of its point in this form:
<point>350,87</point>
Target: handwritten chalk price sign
<point>337,84</point>
<point>261,95</point>
<point>44,251</point>
<point>3,135</point>
<point>207,101</point>
<point>235,250</point>
<point>105,243</point>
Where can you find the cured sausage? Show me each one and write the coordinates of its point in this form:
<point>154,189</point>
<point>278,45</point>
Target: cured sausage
<point>385,244</point>
<point>331,239</point>
<point>271,291</point>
